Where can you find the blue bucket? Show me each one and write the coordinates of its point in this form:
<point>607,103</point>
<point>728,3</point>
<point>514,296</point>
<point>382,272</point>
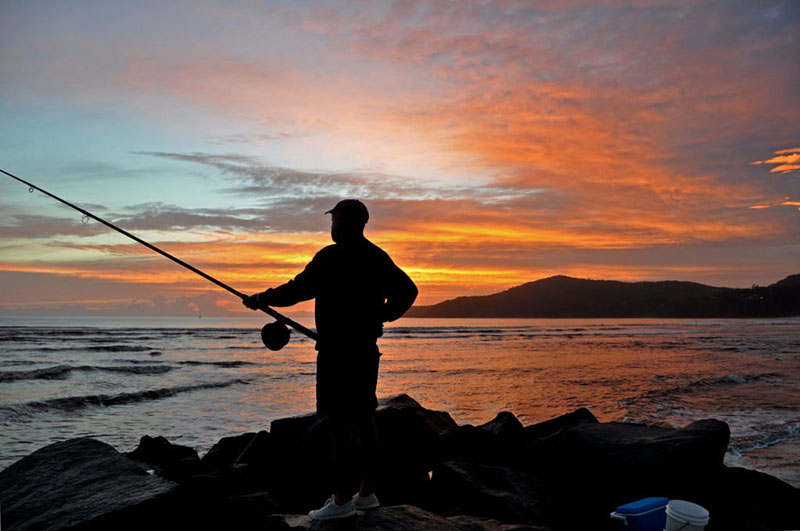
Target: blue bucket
<point>647,514</point>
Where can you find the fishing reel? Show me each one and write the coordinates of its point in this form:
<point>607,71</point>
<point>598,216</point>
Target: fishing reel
<point>275,335</point>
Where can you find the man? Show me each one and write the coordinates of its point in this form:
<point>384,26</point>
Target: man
<point>356,288</point>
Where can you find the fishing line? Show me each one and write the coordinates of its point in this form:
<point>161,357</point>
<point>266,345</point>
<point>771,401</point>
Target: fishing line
<point>88,215</point>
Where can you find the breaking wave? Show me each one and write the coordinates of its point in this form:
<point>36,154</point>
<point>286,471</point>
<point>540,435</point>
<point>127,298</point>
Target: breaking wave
<point>61,371</point>
<point>75,403</point>
<point>706,383</point>
<point>237,363</point>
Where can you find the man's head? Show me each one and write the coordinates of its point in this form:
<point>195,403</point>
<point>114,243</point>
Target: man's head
<point>348,219</point>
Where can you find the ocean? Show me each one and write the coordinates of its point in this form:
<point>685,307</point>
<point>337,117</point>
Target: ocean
<point>195,381</point>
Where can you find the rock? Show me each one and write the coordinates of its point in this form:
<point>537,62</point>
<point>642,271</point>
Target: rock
<point>538,433</point>
<point>609,464</point>
<point>83,483</point>
<point>568,472</point>
<point>737,498</point>
<point>489,491</point>
<point>499,441</point>
<point>504,426</point>
<point>300,462</point>
<point>258,452</point>
<point>646,450</point>
<point>249,511</point>
<point>227,451</point>
<point>174,461</point>
<point>471,444</point>
<point>396,518</point>
<point>409,446</point>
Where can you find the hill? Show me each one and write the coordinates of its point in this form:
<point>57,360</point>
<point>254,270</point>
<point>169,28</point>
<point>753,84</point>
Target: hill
<point>563,296</point>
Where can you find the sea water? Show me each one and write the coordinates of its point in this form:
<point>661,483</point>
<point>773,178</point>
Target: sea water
<point>195,381</point>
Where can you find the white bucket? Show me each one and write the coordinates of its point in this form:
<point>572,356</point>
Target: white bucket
<point>685,516</point>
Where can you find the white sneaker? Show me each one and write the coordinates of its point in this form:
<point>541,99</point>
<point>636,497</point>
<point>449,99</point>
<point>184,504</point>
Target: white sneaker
<point>333,510</point>
<point>364,503</point>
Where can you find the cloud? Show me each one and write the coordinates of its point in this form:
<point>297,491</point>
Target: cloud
<point>786,160</point>
<point>35,226</point>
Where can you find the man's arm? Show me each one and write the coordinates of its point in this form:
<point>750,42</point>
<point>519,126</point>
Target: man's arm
<point>300,288</point>
<point>401,294</point>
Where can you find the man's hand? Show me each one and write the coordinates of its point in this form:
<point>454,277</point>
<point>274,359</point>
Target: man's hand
<point>252,302</point>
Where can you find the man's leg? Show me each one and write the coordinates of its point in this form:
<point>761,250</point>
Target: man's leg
<point>343,443</point>
<point>368,435</point>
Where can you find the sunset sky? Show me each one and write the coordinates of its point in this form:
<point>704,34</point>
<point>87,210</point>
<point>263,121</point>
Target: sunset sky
<point>494,142</point>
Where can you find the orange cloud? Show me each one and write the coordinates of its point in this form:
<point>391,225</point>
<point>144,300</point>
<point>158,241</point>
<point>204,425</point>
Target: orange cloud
<point>787,160</point>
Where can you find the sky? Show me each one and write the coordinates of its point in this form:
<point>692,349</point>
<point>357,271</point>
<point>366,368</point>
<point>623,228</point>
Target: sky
<point>494,143</point>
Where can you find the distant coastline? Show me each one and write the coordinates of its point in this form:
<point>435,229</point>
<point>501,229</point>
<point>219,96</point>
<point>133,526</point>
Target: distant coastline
<point>567,297</point>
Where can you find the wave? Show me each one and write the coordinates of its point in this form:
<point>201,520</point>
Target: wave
<point>47,373</point>
<point>61,371</point>
<point>76,403</point>
<point>7,363</point>
<point>237,363</point>
<point>728,380</point>
<point>766,436</point>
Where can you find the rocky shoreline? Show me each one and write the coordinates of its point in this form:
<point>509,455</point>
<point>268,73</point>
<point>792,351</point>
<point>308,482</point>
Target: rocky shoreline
<point>565,473</point>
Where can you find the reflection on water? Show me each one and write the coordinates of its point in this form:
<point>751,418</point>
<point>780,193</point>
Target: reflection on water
<point>118,380</point>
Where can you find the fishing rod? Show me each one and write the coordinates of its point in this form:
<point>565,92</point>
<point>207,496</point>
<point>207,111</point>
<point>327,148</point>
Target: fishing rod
<point>273,336</point>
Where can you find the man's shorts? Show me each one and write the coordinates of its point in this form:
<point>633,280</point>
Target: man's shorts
<point>346,381</point>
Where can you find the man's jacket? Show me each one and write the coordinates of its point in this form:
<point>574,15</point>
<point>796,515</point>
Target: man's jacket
<point>356,288</point>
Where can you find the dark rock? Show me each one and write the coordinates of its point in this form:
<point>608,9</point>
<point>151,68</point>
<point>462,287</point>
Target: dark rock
<point>639,449</point>
<point>258,452</point>
<point>396,518</point>
<point>410,446</point>
<point>567,473</point>
<point>490,491</point>
<point>504,426</point>
<point>609,464</point>
<point>737,498</point>
<point>471,444</point>
<point>227,451</point>
<point>423,424</point>
<point>499,441</point>
<point>247,511</point>
<point>174,461</point>
<point>300,464</point>
<point>82,483</point>
<point>542,431</point>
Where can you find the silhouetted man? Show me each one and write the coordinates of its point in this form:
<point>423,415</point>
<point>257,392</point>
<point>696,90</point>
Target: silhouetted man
<point>356,288</point>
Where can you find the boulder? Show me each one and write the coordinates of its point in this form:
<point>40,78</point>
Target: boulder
<point>410,446</point>
<point>504,426</point>
<point>396,518</point>
<point>499,441</point>
<point>173,461</point>
<point>227,451</point>
<point>83,484</point>
<point>543,431</point>
<point>300,462</point>
<point>640,451</point>
<point>258,452</point>
<point>567,473</point>
<point>738,498</point>
<point>488,491</point>
<point>608,464</point>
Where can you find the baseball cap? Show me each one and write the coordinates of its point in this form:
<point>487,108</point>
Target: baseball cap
<point>352,209</point>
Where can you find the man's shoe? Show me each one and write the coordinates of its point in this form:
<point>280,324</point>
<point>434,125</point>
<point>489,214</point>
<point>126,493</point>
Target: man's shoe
<point>364,503</point>
<point>332,510</point>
